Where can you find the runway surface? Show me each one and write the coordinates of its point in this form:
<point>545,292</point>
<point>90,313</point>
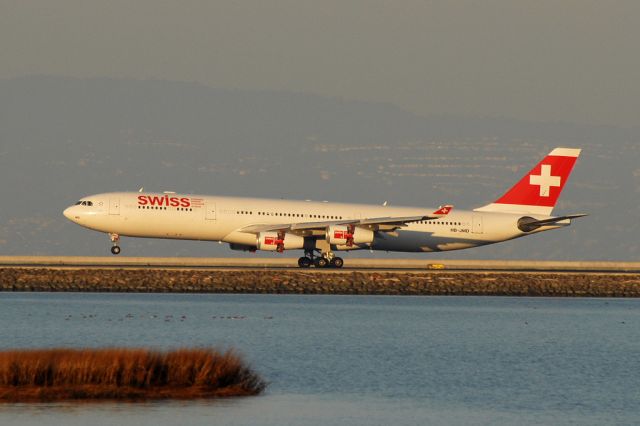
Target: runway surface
<point>286,263</point>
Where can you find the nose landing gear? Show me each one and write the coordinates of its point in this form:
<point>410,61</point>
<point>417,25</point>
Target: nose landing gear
<point>115,239</point>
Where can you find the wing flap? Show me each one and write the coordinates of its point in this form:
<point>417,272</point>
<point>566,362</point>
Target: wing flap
<point>401,221</point>
<point>265,227</point>
<point>308,226</point>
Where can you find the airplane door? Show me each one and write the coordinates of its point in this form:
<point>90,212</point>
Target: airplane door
<point>477,227</point>
<point>210,212</point>
<point>114,206</point>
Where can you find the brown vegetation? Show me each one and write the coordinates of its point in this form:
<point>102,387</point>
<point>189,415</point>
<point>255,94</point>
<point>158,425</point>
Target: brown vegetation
<point>130,374</point>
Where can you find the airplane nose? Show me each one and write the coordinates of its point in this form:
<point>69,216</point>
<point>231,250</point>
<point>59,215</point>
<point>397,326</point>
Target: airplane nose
<point>68,213</point>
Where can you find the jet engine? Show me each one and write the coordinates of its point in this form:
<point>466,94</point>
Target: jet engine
<point>279,241</point>
<point>348,235</point>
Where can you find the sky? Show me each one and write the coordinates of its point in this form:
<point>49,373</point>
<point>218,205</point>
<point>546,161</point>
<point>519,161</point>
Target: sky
<point>544,61</point>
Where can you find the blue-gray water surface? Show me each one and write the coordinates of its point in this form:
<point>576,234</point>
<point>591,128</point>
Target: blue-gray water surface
<point>356,360</point>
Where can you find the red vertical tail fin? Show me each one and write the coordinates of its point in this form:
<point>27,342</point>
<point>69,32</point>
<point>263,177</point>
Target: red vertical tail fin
<point>539,190</point>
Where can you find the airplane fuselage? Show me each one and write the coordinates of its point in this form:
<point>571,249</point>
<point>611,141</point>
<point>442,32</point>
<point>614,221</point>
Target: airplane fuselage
<point>219,218</point>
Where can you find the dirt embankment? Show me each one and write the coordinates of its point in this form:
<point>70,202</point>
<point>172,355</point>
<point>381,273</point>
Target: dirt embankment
<point>320,282</point>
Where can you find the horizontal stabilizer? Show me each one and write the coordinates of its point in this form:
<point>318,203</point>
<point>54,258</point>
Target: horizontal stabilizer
<point>528,224</point>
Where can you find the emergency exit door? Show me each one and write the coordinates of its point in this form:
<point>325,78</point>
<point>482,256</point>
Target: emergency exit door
<point>210,213</point>
<point>477,227</point>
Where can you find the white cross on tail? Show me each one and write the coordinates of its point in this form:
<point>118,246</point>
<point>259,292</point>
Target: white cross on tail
<point>544,180</point>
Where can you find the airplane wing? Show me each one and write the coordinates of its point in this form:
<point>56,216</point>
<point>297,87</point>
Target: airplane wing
<point>293,226</point>
<point>387,224</point>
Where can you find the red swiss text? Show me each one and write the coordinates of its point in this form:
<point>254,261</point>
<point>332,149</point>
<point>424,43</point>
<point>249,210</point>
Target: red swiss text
<point>154,200</point>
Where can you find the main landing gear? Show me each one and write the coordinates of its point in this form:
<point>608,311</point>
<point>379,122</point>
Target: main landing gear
<point>325,260</point>
<point>115,239</point>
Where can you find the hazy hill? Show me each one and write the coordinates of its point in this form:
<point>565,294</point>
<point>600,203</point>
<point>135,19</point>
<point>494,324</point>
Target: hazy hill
<point>63,138</point>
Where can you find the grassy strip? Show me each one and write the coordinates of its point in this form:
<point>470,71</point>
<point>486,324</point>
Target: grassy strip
<point>124,374</point>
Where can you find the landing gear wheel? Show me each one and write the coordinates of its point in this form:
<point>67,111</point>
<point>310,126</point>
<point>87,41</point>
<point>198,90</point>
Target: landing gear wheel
<point>304,262</point>
<point>337,262</point>
<point>321,262</point>
<point>115,250</point>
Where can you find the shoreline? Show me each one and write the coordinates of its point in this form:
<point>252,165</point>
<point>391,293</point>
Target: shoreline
<point>312,281</point>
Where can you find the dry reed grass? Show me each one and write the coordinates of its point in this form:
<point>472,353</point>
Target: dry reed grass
<point>119,373</point>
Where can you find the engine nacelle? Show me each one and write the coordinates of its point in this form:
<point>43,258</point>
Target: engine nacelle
<point>279,241</point>
<point>348,235</point>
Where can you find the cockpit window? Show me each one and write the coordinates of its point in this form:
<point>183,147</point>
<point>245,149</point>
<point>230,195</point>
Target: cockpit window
<point>85,203</point>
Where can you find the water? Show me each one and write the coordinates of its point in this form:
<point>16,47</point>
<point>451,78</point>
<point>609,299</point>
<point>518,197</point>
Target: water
<point>356,360</point>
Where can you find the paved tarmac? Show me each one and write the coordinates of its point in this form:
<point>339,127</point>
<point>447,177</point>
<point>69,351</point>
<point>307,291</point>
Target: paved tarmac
<point>388,264</point>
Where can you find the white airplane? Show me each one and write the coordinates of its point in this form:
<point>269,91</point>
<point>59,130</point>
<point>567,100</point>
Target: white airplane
<point>321,228</point>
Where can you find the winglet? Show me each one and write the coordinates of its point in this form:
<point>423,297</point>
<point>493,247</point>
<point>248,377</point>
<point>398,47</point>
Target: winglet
<point>443,210</point>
